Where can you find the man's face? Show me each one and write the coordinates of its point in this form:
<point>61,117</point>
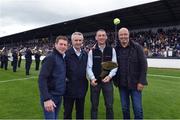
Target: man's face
<point>61,46</point>
<point>101,37</point>
<point>123,36</point>
<point>77,41</point>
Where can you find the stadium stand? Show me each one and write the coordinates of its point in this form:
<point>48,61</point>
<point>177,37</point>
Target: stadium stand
<point>164,41</point>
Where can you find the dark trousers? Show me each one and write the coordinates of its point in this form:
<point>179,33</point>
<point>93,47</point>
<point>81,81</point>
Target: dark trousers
<point>52,115</point>
<point>19,63</point>
<point>2,64</point>
<point>28,66</point>
<point>68,107</point>
<point>5,64</point>
<point>107,90</point>
<point>136,98</point>
<point>14,65</point>
<point>37,64</point>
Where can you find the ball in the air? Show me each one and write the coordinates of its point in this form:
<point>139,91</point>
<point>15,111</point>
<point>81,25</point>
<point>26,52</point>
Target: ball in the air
<point>116,21</point>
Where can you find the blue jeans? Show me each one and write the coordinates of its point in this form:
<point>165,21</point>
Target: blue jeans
<point>52,115</point>
<point>136,98</point>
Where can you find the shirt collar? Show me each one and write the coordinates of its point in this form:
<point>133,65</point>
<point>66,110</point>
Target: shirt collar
<point>77,52</point>
<point>101,48</point>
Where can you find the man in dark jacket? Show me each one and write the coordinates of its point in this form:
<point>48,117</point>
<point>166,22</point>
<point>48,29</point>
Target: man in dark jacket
<point>101,53</point>
<point>15,60</point>
<point>131,74</point>
<point>77,84</point>
<point>2,60</point>
<point>5,59</point>
<point>52,79</point>
<point>19,58</point>
<point>28,57</point>
<point>37,56</point>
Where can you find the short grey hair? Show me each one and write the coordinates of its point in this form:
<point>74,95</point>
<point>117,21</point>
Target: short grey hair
<point>77,33</point>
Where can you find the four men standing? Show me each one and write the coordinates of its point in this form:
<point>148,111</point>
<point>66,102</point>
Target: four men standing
<point>130,76</point>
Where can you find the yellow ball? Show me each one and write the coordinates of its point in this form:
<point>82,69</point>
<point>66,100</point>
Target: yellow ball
<point>116,21</point>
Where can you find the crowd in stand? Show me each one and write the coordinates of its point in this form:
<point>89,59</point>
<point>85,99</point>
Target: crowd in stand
<point>160,43</point>
<point>163,43</point>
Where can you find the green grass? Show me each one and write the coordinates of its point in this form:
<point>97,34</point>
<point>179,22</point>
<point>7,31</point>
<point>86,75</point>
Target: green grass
<point>20,99</point>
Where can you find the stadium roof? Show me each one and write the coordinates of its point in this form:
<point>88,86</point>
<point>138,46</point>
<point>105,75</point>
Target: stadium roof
<point>159,13</point>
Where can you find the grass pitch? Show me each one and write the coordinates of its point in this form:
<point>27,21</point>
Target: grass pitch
<point>19,96</point>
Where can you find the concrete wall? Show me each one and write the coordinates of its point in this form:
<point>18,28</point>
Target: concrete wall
<point>164,63</point>
<point>152,62</point>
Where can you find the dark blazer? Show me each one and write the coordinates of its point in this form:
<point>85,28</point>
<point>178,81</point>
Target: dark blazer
<point>37,56</point>
<point>76,84</point>
<point>15,56</point>
<point>28,55</point>
<point>136,67</point>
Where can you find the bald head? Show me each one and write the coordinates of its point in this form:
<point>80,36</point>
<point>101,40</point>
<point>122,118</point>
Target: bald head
<point>122,30</point>
<point>123,35</point>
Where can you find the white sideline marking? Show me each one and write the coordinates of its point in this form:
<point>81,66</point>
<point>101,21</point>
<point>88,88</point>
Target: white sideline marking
<point>166,76</point>
<point>19,79</point>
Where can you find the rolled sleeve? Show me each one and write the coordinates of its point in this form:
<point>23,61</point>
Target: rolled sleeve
<point>90,73</point>
<point>114,59</point>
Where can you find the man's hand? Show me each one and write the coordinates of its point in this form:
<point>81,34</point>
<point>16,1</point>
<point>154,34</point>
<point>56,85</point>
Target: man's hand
<point>106,79</point>
<point>93,82</point>
<point>140,86</point>
<point>49,105</point>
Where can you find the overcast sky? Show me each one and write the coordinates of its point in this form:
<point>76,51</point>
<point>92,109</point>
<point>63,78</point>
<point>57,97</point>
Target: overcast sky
<point>22,15</point>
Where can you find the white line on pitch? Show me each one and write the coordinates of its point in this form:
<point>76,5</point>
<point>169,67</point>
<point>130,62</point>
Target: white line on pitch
<point>166,76</point>
<point>19,79</point>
